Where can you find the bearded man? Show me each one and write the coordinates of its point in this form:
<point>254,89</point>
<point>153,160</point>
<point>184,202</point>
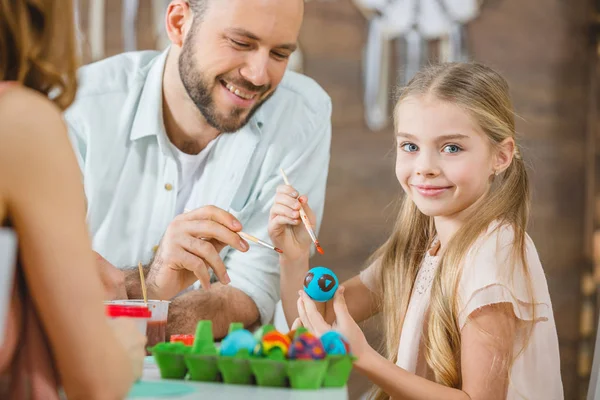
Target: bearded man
<point>180,150</point>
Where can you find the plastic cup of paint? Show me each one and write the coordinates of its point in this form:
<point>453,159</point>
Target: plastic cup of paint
<point>157,325</point>
<point>139,314</point>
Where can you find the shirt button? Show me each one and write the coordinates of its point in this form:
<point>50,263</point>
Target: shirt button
<point>260,124</point>
<point>154,249</point>
<point>168,187</point>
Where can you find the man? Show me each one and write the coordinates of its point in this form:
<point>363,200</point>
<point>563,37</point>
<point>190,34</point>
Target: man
<point>205,127</point>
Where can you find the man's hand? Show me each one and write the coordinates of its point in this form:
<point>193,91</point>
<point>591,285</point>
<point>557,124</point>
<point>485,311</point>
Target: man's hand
<point>113,279</point>
<point>191,246</point>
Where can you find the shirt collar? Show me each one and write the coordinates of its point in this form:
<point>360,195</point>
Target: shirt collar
<point>148,120</point>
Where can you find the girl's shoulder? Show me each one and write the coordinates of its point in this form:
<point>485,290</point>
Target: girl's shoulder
<point>494,271</point>
<point>499,243</point>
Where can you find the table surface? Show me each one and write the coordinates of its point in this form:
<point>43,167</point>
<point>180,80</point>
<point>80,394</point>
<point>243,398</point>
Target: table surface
<point>232,392</point>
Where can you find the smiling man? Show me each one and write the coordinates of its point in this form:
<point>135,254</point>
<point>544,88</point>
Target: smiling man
<point>180,150</point>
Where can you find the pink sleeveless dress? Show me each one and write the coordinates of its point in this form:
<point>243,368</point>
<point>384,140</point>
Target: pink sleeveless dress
<point>26,364</point>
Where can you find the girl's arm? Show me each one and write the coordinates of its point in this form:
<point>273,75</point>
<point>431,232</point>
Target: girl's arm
<point>486,354</point>
<point>289,234</point>
<point>41,183</point>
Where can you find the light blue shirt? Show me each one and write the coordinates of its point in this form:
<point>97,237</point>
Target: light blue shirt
<point>131,179</point>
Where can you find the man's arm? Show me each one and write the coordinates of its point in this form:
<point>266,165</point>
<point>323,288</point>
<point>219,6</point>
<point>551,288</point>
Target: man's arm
<point>221,304</point>
<point>120,284</point>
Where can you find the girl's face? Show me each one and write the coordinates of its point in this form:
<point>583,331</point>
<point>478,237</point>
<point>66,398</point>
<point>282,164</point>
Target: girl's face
<point>444,160</point>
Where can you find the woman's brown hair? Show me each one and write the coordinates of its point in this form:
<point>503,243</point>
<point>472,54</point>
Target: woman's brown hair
<point>38,48</point>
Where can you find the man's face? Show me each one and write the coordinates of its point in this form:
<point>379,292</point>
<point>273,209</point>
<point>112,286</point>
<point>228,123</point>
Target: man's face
<point>234,57</point>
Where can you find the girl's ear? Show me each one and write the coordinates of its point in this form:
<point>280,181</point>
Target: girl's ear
<point>505,152</point>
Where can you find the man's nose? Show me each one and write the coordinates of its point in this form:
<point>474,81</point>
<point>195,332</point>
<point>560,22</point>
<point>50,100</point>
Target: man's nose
<point>256,69</point>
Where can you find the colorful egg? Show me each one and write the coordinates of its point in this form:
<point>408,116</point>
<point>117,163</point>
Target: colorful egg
<point>306,346</point>
<point>292,334</point>
<point>185,339</point>
<point>334,343</point>
<point>275,339</point>
<point>236,341</point>
<point>260,332</point>
<point>320,284</point>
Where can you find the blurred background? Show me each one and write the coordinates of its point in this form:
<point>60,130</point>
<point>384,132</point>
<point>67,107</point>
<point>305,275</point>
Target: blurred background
<point>358,51</point>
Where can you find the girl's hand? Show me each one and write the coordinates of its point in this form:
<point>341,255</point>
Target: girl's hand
<point>311,319</point>
<point>286,229</point>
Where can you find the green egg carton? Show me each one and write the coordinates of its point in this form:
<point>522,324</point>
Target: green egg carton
<point>338,370</point>
<point>236,369</point>
<point>307,374</point>
<point>202,362</point>
<point>170,358</point>
<point>272,373</point>
<point>202,367</point>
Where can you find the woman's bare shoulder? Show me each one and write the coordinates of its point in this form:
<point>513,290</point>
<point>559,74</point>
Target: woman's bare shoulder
<point>25,113</point>
<point>33,135</point>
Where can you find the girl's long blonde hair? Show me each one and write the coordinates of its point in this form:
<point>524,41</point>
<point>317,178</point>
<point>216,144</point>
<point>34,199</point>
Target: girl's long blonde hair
<point>484,94</point>
<point>38,48</point>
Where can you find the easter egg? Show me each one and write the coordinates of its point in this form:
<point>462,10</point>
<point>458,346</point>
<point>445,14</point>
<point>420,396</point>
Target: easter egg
<point>292,334</point>
<point>306,346</point>
<point>334,343</point>
<point>275,339</point>
<point>320,284</point>
<point>260,332</point>
<point>188,340</point>
<point>236,341</point>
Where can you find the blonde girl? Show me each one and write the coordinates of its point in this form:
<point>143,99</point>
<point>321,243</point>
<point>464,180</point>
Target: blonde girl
<point>463,294</point>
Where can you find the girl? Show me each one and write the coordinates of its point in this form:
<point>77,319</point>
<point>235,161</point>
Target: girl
<point>462,291</point>
<point>57,334</point>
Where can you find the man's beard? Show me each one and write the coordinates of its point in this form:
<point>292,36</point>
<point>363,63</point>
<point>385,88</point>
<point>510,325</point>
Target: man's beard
<point>198,89</point>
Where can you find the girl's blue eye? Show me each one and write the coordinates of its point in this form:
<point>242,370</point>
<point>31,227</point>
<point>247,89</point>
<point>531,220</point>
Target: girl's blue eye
<point>409,147</point>
<point>451,148</point>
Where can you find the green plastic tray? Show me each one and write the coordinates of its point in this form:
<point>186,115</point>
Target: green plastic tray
<point>307,374</point>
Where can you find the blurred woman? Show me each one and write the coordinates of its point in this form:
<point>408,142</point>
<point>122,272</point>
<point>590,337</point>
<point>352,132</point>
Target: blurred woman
<point>57,336</point>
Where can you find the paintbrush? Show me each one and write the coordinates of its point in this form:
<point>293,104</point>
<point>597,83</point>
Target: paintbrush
<point>253,239</point>
<point>258,241</point>
<point>305,219</point>
<point>143,283</point>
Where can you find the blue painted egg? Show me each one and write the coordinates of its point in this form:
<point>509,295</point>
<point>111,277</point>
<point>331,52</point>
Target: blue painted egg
<point>320,284</point>
<point>334,343</point>
<point>236,341</point>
